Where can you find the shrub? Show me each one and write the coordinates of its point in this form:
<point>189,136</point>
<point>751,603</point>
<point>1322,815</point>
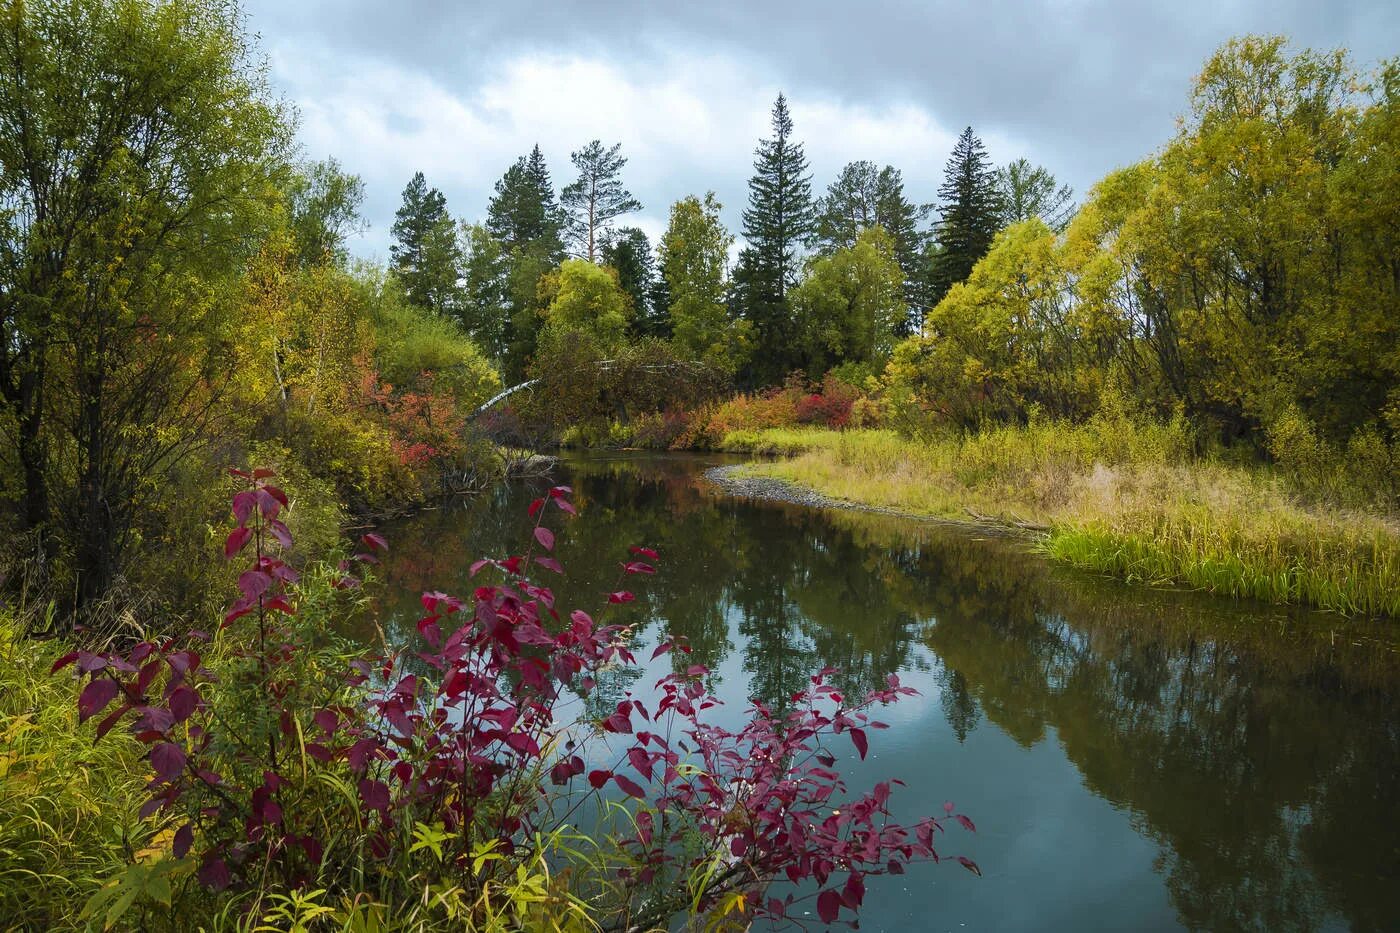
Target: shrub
<point>437,787</point>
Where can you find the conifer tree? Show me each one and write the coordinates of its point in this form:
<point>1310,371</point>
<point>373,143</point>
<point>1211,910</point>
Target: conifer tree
<point>969,215</point>
<point>425,253</point>
<point>862,197</point>
<point>523,210</point>
<point>596,197</point>
<point>779,221</point>
<point>1028,191</point>
<point>628,251</point>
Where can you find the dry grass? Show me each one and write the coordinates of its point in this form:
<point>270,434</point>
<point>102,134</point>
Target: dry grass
<point>1118,498</point>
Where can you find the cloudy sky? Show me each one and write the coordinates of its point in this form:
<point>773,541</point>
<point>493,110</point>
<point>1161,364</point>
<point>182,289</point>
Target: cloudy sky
<point>459,90</point>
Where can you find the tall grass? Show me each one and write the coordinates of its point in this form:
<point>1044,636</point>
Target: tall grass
<point>1116,497</point>
<point>66,805</point>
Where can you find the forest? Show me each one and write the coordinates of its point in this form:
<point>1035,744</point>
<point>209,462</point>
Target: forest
<point>1188,374</point>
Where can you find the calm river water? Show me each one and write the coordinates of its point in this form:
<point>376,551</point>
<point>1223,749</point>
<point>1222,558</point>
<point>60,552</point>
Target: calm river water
<point>1133,759</point>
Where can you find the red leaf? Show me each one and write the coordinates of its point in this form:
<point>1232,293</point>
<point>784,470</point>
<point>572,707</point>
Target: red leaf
<point>535,507</point>
<point>599,778</point>
<point>235,541</point>
<point>966,823</point>
<point>375,794</point>
<point>629,786</point>
<point>970,865</point>
<point>549,563</point>
<point>183,701</point>
<point>112,719</point>
<point>277,494</point>
<point>168,760</point>
<point>263,473</point>
<point>621,596</point>
<point>828,906</point>
<point>566,505</point>
<point>644,551</point>
<point>184,838</point>
<point>214,874</point>
<point>860,741</point>
<point>636,566</point>
<point>253,583</point>
<point>63,662</point>
<point>243,505</point>
<point>545,537</point>
<point>95,697</point>
<point>376,541</point>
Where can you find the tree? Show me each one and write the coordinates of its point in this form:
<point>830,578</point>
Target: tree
<point>596,198</point>
<point>484,310</point>
<point>780,218</point>
<point>587,299</point>
<point>862,197</point>
<point>1028,191</point>
<point>323,211</point>
<point>969,215</point>
<point>694,259</point>
<point>628,252</point>
<point>138,166</point>
<point>425,253</point>
<point>523,211</point>
<point>850,304</point>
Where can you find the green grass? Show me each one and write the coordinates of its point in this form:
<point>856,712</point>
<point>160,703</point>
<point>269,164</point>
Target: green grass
<point>1117,498</point>
<point>67,805</point>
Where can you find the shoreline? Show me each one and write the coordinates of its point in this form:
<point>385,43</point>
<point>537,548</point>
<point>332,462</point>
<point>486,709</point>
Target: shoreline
<point>725,478</point>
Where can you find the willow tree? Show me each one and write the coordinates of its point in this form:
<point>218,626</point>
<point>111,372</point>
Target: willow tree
<point>138,144</point>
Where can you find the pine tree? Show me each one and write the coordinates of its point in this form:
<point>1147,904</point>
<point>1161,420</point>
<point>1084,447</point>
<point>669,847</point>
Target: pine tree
<point>523,210</point>
<point>779,221</point>
<point>425,253</point>
<point>1028,191</point>
<point>970,214</point>
<point>863,197</point>
<point>596,197</point>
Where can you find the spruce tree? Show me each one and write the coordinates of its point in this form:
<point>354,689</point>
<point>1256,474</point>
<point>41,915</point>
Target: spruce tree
<point>969,216</point>
<point>779,221</point>
<point>523,210</point>
<point>596,197</point>
<point>425,253</point>
<point>629,253</point>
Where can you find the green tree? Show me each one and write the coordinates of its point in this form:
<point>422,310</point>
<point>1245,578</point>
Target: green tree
<point>523,211</point>
<point>139,159</point>
<point>851,303</point>
<point>779,220</point>
<point>587,299</point>
<point>969,215</point>
<point>628,252</point>
<point>484,308</point>
<point>425,254</point>
<point>694,260</point>
<point>596,198</point>
<point>1027,191</point>
<point>862,197</point>
<point>323,211</point>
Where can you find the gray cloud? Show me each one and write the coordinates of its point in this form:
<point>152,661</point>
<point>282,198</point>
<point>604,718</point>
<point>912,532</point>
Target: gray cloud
<point>1081,86</point>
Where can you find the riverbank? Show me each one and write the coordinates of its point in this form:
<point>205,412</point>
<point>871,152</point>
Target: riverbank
<point>1130,501</point>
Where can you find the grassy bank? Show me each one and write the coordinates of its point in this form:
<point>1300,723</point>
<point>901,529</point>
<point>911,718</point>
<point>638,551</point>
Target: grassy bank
<point>1117,498</point>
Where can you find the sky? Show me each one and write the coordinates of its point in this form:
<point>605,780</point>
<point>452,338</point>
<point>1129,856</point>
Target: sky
<point>460,90</point>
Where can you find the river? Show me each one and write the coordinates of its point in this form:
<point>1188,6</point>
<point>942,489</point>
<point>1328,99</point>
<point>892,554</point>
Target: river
<point>1134,759</point>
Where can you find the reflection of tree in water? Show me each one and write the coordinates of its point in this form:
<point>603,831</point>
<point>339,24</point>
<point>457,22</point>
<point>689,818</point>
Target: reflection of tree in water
<point>959,705</point>
<point>1263,760</point>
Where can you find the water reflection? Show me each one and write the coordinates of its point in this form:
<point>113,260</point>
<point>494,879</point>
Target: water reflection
<point>1257,750</point>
